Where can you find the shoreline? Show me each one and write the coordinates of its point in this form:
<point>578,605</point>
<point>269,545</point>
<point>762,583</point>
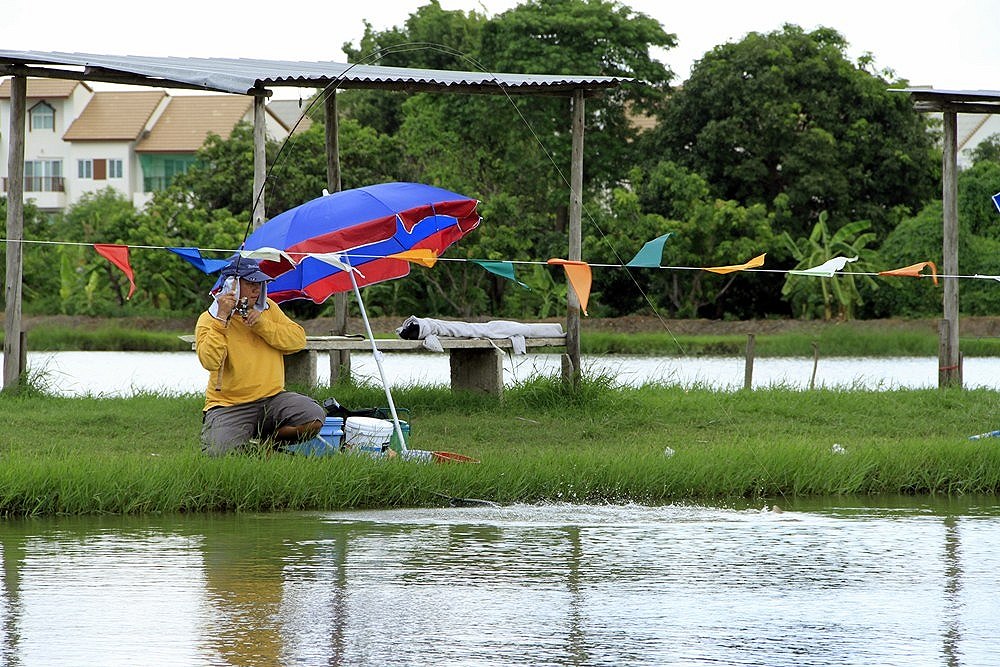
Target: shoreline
<point>970,326</point>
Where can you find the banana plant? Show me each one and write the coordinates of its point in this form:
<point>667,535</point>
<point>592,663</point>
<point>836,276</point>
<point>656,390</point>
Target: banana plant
<point>810,295</point>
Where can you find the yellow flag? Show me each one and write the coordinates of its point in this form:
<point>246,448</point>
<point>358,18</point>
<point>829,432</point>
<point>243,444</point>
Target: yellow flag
<point>754,263</point>
<point>423,256</point>
<point>913,271</point>
<point>578,274</point>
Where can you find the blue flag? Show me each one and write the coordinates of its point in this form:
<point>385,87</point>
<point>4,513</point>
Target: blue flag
<point>193,256</point>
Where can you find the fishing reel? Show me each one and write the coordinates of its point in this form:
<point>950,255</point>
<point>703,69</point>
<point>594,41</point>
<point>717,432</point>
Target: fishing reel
<point>242,307</point>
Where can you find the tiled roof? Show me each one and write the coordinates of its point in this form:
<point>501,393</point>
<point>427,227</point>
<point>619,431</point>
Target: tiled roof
<point>187,121</point>
<point>114,116</point>
<point>289,112</point>
<point>44,88</point>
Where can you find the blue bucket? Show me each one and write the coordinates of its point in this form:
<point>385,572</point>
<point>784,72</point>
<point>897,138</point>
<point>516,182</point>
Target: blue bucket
<point>330,437</point>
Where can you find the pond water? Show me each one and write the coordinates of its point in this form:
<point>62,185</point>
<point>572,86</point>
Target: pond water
<point>124,373</point>
<point>805,584</point>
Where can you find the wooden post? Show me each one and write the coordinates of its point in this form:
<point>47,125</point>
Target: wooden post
<point>12,349</point>
<point>812,380</point>
<point>340,360</point>
<point>259,158</point>
<point>949,374</point>
<point>571,365</point>
<point>748,363</point>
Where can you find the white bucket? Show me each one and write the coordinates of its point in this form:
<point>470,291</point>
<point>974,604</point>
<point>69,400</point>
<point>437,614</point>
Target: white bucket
<point>364,432</point>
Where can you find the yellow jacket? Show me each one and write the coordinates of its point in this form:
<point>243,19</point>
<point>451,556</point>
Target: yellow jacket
<point>246,363</point>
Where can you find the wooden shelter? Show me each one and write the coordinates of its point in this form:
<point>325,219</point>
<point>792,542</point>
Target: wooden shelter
<point>950,103</point>
<point>255,78</point>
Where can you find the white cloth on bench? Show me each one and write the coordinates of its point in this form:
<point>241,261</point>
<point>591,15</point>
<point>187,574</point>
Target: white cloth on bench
<point>429,329</point>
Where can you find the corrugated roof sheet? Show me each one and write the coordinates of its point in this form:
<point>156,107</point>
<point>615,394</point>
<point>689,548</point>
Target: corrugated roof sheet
<point>963,101</point>
<point>245,75</point>
<point>111,116</point>
<point>44,88</point>
<point>187,121</point>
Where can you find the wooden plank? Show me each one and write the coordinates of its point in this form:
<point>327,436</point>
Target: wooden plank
<point>12,370</point>
<point>948,356</point>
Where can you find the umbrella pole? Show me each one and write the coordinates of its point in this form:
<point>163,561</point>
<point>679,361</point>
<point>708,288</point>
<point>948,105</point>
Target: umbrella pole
<point>378,362</point>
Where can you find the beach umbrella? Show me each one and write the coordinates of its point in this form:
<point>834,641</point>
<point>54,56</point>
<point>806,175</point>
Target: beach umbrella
<point>349,239</point>
<point>366,228</point>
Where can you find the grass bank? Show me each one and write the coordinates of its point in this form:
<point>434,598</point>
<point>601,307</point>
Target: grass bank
<point>539,444</point>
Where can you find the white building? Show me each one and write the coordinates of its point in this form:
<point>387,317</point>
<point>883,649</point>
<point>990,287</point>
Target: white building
<point>78,140</point>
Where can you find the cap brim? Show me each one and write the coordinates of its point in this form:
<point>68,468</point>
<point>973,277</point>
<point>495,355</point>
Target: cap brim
<point>257,277</point>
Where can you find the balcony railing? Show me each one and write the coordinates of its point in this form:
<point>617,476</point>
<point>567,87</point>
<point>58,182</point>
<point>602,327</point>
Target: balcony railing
<point>40,184</point>
<point>153,183</point>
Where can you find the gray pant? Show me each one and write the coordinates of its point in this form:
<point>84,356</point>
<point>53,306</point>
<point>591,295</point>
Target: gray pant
<point>225,428</point>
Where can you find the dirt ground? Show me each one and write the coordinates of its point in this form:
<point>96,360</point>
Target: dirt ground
<point>968,326</point>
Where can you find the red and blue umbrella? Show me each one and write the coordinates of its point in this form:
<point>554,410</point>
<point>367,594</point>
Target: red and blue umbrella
<point>365,226</point>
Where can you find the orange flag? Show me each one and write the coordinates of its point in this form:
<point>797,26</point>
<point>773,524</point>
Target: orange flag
<point>118,255</point>
<point>578,274</point>
<point>423,256</point>
<point>754,263</point>
<point>913,271</point>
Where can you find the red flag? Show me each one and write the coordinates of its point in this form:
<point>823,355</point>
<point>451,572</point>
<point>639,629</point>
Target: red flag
<point>118,255</point>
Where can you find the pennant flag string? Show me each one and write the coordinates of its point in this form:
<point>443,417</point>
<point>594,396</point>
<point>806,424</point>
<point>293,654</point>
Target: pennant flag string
<point>194,257</point>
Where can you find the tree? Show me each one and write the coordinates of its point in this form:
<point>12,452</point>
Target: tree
<point>431,38</point>
<point>516,151</point>
<point>705,232</point>
<point>786,113</point>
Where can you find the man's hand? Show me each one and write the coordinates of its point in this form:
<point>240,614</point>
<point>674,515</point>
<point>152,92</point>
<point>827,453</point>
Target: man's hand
<point>226,303</point>
<point>252,317</point>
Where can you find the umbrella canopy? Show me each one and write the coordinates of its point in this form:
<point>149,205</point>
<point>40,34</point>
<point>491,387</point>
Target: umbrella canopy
<point>365,226</point>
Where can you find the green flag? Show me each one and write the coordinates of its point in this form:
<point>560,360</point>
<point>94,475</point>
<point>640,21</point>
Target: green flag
<point>502,269</point>
<point>651,253</point>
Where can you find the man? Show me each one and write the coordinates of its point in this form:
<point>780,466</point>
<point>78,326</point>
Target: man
<point>241,340</point>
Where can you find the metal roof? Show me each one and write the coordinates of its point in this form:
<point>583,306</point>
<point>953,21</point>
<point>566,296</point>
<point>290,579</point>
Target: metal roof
<point>246,76</point>
<point>960,101</point>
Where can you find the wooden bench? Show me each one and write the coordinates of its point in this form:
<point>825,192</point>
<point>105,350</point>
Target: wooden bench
<point>476,363</point>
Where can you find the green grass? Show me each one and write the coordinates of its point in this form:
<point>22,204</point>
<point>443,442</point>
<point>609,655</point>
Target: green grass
<point>108,337</point>
<point>539,444</point>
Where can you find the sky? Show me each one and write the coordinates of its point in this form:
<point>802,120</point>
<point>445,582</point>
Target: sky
<point>948,45</point>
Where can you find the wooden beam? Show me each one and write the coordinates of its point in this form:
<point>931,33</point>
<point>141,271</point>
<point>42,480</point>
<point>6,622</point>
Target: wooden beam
<point>949,374</point>
<point>95,74</point>
<point>340,361</point>
<point>571,369</point>
<point>259,159</point>
<point>957,107</point>
<point>12,353</point>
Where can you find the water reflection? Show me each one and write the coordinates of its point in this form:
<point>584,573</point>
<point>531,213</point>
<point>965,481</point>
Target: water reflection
<point>817,584</point>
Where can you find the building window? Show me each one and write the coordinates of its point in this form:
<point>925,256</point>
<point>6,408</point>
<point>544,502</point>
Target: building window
<point>43,117</point>
<point>43,176</point>
<point>115,169</point>
<point>84,168</point>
